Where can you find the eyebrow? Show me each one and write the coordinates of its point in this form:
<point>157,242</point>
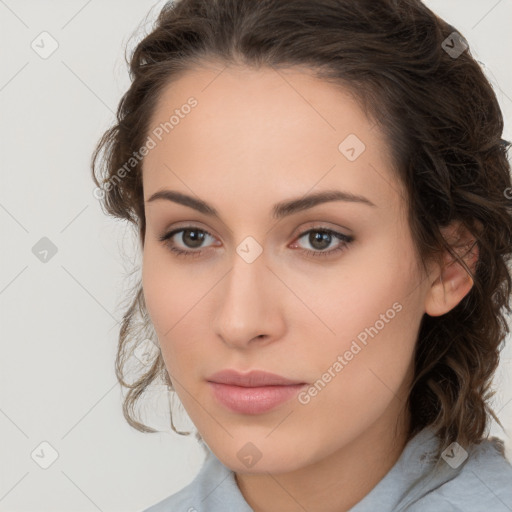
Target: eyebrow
<point>280,210</point>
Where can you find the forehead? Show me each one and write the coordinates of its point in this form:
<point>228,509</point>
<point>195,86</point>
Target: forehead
<point>257,128</point>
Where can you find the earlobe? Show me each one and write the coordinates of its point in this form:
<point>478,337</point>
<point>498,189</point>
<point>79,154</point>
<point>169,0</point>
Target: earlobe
<point>452,282</point>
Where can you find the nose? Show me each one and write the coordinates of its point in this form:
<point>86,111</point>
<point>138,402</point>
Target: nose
<point>251,305</point>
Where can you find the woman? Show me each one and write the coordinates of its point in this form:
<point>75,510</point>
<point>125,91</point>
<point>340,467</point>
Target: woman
<point>320,190</point>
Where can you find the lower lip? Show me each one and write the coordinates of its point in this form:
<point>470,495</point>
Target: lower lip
<point>255,400</point>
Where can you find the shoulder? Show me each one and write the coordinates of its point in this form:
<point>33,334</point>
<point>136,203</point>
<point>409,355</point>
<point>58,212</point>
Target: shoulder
<point>214,489</point>
<point>482,482</point>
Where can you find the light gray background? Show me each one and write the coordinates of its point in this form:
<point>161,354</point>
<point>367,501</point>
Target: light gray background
<point>59,320</point>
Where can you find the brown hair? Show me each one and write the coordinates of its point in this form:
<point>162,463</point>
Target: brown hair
<point>443,124</point>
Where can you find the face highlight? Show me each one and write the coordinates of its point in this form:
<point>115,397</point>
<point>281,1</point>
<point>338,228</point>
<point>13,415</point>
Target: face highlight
<point>277,240</point>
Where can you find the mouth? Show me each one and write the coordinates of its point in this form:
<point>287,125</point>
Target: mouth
<point>255,392</point>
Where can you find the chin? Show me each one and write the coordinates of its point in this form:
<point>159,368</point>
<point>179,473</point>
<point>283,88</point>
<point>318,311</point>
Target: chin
<point>253,458</point>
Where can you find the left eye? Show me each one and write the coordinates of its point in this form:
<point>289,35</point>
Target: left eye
<point>319,238</point>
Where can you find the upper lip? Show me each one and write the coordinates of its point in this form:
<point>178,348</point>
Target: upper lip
<point>254,378</point>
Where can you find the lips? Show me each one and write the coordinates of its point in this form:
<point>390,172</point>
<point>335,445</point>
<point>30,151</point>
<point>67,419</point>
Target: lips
<point>255,392</point>
<point>255,378</point>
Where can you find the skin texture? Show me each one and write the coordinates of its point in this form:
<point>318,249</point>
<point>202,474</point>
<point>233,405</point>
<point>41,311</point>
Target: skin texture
<point>255,138</point>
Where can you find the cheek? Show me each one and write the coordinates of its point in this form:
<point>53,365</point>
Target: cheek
<point>365,292</point>
<point>374,340</point>
<point>365,368</point>
<point>165,294</point>
<point>175,302</point>
<point>168,289</point>
<point>374,312</point>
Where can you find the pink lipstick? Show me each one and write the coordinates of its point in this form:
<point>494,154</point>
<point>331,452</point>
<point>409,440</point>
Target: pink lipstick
<point>254,392</point>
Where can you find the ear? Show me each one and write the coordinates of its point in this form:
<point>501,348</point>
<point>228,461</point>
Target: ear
<point>450,281</point>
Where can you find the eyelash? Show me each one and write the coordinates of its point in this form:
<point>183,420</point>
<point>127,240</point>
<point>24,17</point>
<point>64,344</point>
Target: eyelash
<point>344,239</point>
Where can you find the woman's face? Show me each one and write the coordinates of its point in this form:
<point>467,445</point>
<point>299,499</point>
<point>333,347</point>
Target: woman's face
<point>326,293</point>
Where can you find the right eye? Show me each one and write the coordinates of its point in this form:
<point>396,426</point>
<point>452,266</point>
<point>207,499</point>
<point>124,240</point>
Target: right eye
<point>191,237</point>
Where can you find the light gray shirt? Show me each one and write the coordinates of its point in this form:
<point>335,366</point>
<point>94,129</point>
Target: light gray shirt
<point>416,483</point>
